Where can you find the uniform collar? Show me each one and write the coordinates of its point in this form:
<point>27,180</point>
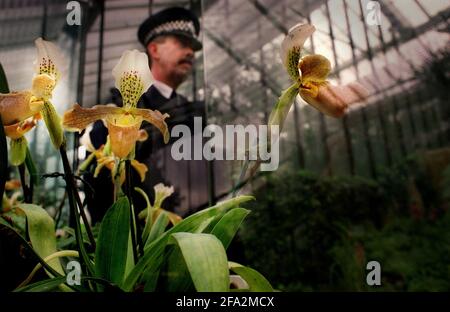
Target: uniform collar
<point>164,89</point>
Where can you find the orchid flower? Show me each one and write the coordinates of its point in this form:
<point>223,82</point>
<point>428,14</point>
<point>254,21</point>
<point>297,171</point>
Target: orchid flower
<point>132,78</point>
<point>49,66</point>
<point>21,110</point>
<point>161,193</point>
<point>151,213</point>
<point>309,75</point>
<point>105,159</point>
<point>19,115</point>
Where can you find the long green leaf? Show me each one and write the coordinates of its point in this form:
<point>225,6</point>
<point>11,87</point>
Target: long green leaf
<point>112,244</point>
<point>206,261</point>
<point>174,276</point>
<point>41,229</point>
<point>6,227</point>
<point>158,228</point>
<point>51,284</point>
<point>254,279</point>
<point>45,285</point>
<point>198,220</point>
<point>227,227</point>
<point>150,263</point>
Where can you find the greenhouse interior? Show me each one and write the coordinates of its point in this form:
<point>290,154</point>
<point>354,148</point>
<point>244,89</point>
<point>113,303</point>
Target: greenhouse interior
<point>225,145</point>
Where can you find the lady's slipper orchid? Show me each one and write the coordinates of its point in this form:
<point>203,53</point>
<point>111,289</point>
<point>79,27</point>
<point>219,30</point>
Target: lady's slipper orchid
<point>151,213</point>
<point>106,160</point>
<point>309,74</point>
<point>118,167</point>
<point>20,110</point>
<point>133,78</point>
<point>49,65</point>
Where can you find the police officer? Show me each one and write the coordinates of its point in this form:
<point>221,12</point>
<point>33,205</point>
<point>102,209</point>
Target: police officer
<point>170,38</point>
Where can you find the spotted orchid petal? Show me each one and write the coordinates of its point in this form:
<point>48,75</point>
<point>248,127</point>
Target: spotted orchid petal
<point>18,106</point>
<point>123,124</point>
<point>49,65</point>
<point>50,60</point>
<point>292,46</point>
<point>132,76</point>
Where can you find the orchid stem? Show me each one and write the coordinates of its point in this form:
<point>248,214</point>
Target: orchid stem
<point>70,181</point>
<point>136,237</point>
<point>74,211</point>
<point>26,191</point>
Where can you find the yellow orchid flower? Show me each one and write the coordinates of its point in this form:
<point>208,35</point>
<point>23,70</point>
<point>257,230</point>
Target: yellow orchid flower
<point>309,74</point>
<point>132,78</point>
<point>106,160</point>
<point>118,167</point>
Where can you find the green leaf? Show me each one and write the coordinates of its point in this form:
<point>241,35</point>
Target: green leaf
<point>18,151</point>
<point>254,279</point>
<point>130,257</point>
<point>174,275</point>
<point>4,226</point>
<point>112,244</point>
<point>227,227</point>
<point>281,109</point>
<point>51,284</point>
<point>206,261</point>
<point>4,88</point>
<point>158,228</point>
<point>41,229</point>
<point>152,260</point>
<point>43,286</point>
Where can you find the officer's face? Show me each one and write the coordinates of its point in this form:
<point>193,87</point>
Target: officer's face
<point>174,55</point>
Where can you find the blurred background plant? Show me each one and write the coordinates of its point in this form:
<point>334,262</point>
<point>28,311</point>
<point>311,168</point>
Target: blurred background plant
<point>320,234</point>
